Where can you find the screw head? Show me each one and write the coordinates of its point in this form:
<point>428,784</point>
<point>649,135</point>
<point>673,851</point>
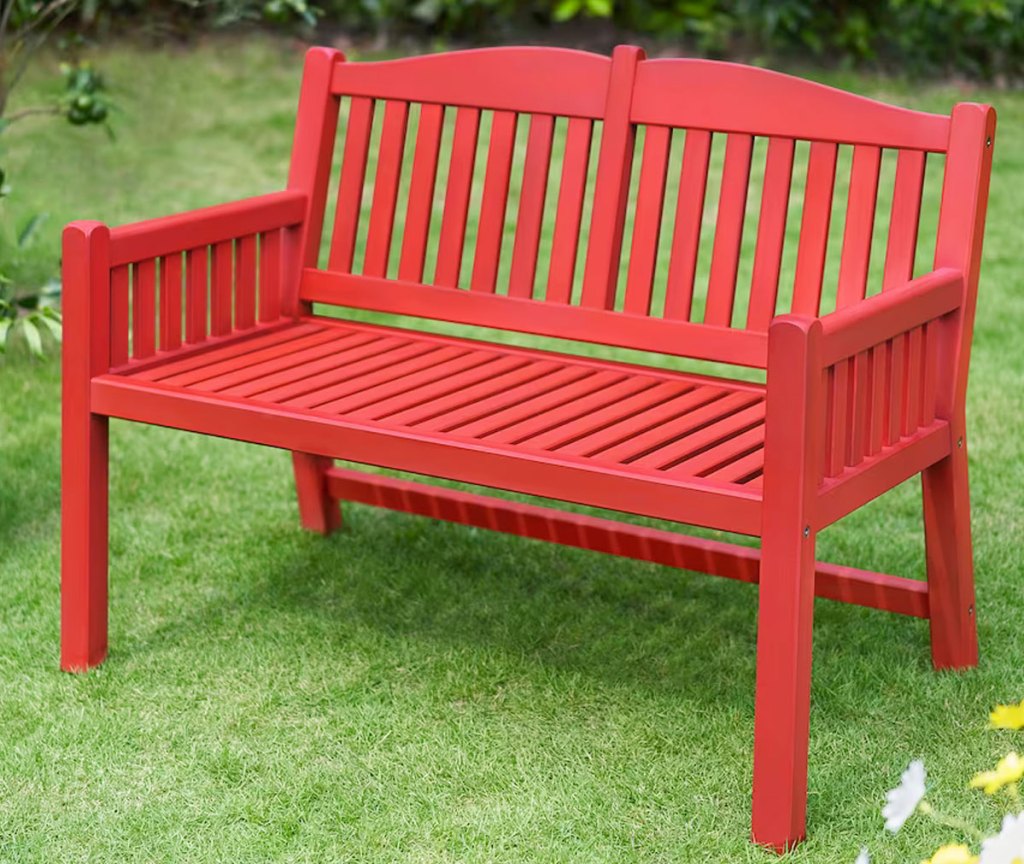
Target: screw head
<point>988,142</point>
<point>807,530</point>
<point>960,442</point>
<point>970,610</point>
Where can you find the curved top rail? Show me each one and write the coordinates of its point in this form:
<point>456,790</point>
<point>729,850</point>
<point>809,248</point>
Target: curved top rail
<point>531,79</point>
<point>730,97</point>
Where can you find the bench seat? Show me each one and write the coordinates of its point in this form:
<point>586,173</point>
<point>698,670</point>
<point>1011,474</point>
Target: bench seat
<point>686,433</point>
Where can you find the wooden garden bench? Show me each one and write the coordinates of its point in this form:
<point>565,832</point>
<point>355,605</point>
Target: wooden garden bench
<point>567,195</point>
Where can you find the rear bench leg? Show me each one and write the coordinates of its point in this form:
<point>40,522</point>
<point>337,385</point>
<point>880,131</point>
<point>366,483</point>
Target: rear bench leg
<point>317,510</point>
<point>947,532</point>
<point>83,585</point>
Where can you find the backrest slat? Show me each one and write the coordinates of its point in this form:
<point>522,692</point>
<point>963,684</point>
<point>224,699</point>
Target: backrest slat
<point>693,181</point>
<point>905,218</point>
<point>771,232</point>
<point>810,262</point>
<point>350,184</point>
<point>529,222</point>
<point>494,202</point>
<point>385,188</point>
<point>456,202</point>
<point>650,202</point>
<point>732,206</point>
<point>421,193</point>
<point>611,189</point>
<point>860,223</point>
<point>569,215</point>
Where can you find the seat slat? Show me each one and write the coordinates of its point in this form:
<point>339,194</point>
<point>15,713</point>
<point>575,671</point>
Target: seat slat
<point>817,214</point>
<point>719,455</point>
<point>573,417</point>
<point>456,202</point>
<point>693,180</point>
<point>650,202</point>
<point>421,193</point>
<point>494,202</point>
<point>860,222</point>
<point>715,425</point>
<point>536,167</point>
<point>771,232</point>
<point>569,213</point>
<point>385,188</point>
<point>351,184</point>
<point>741,470</point>
<point>732,208</point>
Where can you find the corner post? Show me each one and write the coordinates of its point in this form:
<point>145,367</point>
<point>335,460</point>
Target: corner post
<point>84,454</point>
<point>312,150</point>
<point>945,492</point>
<point>794,432</point>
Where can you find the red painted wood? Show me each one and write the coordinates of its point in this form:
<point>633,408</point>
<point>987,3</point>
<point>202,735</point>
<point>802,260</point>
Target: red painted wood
<point>144,309</point>
<point>839,404</point>
<point>456,202</point>
<point>860,223</point>
<point>650,203</point>
<point>536,167</point>
<point>86,353</point>
<point>693,180</point>
<point>318,511</point>
<point>817,214</point>
<point>390,154</point>
<point>569,213</point>
<point>221,289</point>
<point>904,218</point>
<point>611,189</point>
<point>786,606</point>
<point>120,278</point>
<point>487,256</point>
<point>170,302</point>
<point>771,232</point>
<point>271,276</point>
<point>421,193</point>
<point>245,282</point>
<point>732,206</point>
<point>351,184</point>
<point>196,267</point>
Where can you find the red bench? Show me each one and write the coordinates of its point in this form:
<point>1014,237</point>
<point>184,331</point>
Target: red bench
<point>205,322</point>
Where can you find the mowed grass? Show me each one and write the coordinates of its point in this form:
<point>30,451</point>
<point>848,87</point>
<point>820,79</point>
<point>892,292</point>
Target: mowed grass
<point>417,691</point>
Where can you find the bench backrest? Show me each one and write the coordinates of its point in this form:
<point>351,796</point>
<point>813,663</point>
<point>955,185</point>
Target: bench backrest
<point>456,168</point>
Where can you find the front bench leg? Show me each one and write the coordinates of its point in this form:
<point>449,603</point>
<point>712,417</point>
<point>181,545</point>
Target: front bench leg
<point>786,591</point>
<point>317,510</point>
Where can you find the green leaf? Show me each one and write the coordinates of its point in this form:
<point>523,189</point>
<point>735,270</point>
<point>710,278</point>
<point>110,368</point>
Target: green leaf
<point>566,9</point>
<point>32,336</point>
<point>5,328</point>
<point>600,8</point>
<point>53,325</point>
<point>30,229</point>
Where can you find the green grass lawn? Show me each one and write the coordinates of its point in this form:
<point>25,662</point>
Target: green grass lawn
<point>416,691</point>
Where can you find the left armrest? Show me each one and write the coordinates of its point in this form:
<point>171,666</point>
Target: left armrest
<point>877,319</point>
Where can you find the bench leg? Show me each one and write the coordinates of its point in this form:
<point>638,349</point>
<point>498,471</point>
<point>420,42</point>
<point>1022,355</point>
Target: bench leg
<point>782,704</point>
<point>83,588</point>
<point>317,510</point>
<point>947,532</point>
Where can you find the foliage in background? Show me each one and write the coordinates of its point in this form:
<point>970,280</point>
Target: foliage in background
<point>979,38</point>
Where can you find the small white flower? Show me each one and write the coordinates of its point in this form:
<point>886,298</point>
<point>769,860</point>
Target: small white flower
<point>1007,847</point>
<point>902,801</point>
<point>863,858</point>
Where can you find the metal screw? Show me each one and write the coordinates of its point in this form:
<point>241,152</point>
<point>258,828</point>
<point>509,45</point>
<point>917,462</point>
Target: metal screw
<point>807,530</point>
<point>970,610</point>
<point>988,142</point>
<point>960,442</point>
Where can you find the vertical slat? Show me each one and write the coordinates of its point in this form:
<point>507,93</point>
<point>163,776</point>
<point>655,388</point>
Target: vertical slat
<point>220,294</point>
<point>904,219</point>
<point>839,412</point>
<point>732,207</point>
<point>771,232</point>
<point>929,376</point>
<point>693,181</point>
<point>494,201</point>
<point>611,189</point>
<point>195,295</point>
<point>270,276</point>
<point>912,387</point>
<point>532,196</point>
<point>421,193</point>
<point>650,203</point>
<point>878,376</point>
<point>894,393</point>
<point>569,214</point>
<point>385,188</point>
<point>170,302</point>
<point>859,407</point>
<point>810,261</point>
<point>119,316</point>
<point>245,282</point>
<point>144,309</point>
<point>456,201</point>
<point>860,222</point>
<point>351,183</point>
